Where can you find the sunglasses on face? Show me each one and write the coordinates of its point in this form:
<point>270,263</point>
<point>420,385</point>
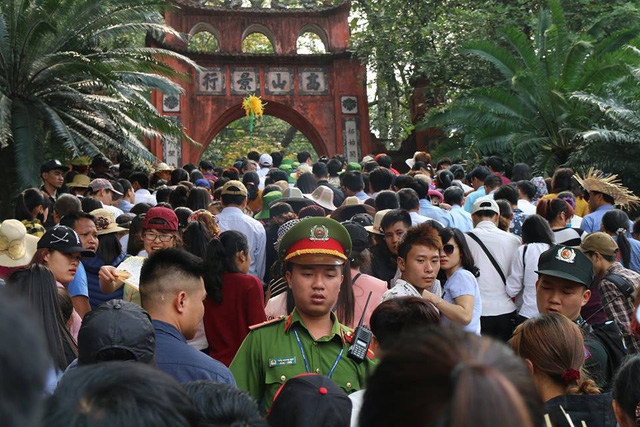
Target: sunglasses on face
<point>448,249</point>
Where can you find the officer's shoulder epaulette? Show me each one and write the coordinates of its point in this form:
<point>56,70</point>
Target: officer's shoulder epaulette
<point>266,322</point>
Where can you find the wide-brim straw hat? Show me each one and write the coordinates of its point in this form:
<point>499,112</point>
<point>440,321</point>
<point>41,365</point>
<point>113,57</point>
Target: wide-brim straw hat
<point>80,181</point>
<point>350,207</point>
<point>322,196</point>
<point>106,222</point>
<point>301,169</point>
<point>294,197</point>
<point>597,181</point>
<point>16,246</point>
<point>377,220</point>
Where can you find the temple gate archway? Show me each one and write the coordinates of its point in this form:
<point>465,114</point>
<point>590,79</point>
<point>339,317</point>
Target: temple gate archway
<point>322,95</point>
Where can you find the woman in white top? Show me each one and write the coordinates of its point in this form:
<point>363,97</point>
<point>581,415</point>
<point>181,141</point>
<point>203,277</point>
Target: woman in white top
<point>460,303</point>
<point>521,283</point>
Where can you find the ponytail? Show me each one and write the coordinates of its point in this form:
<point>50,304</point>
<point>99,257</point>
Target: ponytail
<point>616,222</point>
<point>214,269</point>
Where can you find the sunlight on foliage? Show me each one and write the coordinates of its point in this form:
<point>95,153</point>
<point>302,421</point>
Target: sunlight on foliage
<point>257,43</point>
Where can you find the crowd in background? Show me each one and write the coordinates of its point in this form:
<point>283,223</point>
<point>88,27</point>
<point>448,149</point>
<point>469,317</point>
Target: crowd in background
<point>494,297</point>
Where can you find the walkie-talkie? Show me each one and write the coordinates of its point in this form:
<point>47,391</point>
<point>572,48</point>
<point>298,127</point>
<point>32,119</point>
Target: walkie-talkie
<point>361,338</point>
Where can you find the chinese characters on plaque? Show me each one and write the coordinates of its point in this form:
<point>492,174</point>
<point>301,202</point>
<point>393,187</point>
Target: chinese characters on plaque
<point>313,81</point>
<point>279,81</point>
<point>351,139</point>
<point>172,147</point>
<point>211,81</point>
<point>244,80</point>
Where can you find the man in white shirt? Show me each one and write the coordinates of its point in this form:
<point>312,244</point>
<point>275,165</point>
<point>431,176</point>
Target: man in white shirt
<point>498,310</point>
<point>140,183</point>
<point>266,161</point>
<point>232,217</point>
<point>526,192</point>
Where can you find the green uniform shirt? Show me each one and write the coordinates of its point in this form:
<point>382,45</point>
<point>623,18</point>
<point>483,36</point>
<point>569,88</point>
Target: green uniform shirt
<point>270,355</point>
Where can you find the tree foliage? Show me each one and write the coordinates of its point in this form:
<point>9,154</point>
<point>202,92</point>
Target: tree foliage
<point>529,115</point>
<point>67,77</point>
<point>270,134</point>
<point>405,41</point>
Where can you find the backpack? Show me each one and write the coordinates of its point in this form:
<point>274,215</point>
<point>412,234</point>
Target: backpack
<point>609,334</point>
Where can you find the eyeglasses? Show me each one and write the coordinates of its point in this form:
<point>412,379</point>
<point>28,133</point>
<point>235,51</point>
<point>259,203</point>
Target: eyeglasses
<point>448,249</point>
<point>151,237</point>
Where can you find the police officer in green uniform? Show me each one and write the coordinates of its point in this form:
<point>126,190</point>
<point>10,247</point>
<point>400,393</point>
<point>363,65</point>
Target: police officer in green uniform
<point>310,339</point>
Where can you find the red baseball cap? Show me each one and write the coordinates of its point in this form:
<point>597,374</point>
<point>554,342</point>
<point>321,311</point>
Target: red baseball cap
<point>160,218</point>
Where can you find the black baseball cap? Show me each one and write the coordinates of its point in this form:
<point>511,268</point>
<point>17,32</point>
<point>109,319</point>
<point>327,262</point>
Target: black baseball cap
<point>358,234</point>
<point>51,165</point>
<point>567,263</point>
<point>116,325</point>
<point>63,239</point>
<point>310,400</point>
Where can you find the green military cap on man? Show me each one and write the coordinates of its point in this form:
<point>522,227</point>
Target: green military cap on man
<point>311,339</point>
<point>316,240</point>
<point>567,263</point>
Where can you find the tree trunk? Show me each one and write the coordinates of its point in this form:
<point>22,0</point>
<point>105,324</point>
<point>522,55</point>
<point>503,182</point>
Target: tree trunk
<point>10,188</point>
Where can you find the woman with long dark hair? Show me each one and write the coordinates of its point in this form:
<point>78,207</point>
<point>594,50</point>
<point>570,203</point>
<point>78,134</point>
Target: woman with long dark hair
<point>616,224</point>
<point>109,252</point>
<point>235,299</point>
<point>537,237</point>
<point>460,303</point>
<point>38,286</point>
<point>251,181</point>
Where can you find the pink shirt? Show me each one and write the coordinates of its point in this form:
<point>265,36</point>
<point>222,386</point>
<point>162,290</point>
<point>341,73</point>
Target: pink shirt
<point>75,321</point>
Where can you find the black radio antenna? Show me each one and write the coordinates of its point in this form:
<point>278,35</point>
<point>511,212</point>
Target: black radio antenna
<point>364,309</point>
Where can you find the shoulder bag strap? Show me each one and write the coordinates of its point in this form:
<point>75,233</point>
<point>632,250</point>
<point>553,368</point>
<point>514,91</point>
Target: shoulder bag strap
<point>356,277</point>
<point>488,254</point>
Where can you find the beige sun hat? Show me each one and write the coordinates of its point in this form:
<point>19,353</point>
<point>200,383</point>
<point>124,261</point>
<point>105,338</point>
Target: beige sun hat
<point>351,206</point>
<point>302,169</point>
<point>106,222</point>
<point>16,246</point>
<point>323,196</point>
<point>377,220</point>
<point>163,167</point>
<point>597,181</point>
<point>80,181</point>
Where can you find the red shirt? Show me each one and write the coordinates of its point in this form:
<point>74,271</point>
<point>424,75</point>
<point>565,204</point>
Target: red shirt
<point>226,325</point>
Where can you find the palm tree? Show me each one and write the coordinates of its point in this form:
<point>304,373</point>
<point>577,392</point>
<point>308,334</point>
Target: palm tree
<point>64,80</point>
<point>530,115</point>
<point>613,142</point>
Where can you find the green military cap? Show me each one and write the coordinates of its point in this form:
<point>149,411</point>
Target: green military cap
<point>316,241</point>
<point>286,161</point>
<point>567,263</point>
<point>266,201</point>
<point>353,166</point>
<point>289,170</point>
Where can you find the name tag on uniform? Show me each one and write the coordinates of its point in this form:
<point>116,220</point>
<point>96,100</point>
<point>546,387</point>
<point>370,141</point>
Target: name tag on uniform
<point>282,361</point>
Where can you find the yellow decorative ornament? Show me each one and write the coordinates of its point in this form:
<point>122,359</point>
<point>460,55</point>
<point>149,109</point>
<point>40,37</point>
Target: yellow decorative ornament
<point>254,107</point>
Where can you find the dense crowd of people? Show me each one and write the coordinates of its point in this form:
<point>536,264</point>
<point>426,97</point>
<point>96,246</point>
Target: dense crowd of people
<point>319,292</point>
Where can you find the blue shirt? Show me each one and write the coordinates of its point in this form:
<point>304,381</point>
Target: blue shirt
<point>183,362</point>
<point>592,222</point>
<point>361,195</point>
<point>471,198</point>
<point>92,266</point>
<point>462,282</point>
<point>434,212</point>
<point>460,219</point>
<point>78,286</point>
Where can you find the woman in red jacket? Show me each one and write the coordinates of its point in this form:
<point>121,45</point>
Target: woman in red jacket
<point>235,299</point>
